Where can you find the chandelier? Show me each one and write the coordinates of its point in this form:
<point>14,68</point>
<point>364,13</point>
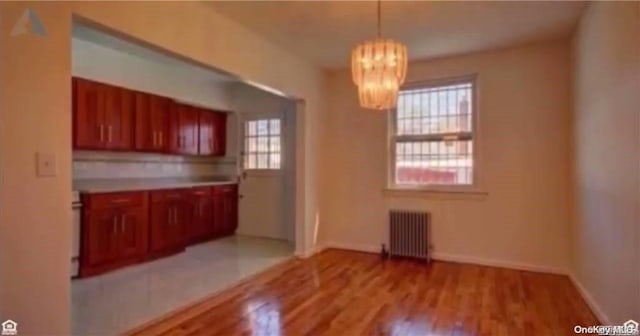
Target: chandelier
<point>379,67</point>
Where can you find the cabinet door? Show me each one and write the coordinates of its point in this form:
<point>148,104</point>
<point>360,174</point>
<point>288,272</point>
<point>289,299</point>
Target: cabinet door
<point>118,113</point>
<point>144,137</point>
<point>225,210</point>
<point>100,242</point>
<point>159,110</point>
<point>168,224</point>
<point>160,219</point>
<point>231,212</point>
<point>176,140</point>
<point>133,242</point>
<point>220,134</point>
<point>190,126</point>
<point>151,116</point>
<point>200,226</point>
<point>218,226</point>
<point>207,132</point>
<point>88,114</point>
<point>183,129</point>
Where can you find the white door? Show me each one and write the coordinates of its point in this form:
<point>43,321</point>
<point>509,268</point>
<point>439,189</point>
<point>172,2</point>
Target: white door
<point>262,186</point>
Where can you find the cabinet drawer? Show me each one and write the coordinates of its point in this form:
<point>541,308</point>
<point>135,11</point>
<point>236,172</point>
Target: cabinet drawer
<point>169,195</point>
<point>225,189</point>
<point>200,191</point>
<point>111,200</point>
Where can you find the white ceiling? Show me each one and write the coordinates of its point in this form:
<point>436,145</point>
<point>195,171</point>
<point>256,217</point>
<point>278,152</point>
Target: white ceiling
<point>324,32</point>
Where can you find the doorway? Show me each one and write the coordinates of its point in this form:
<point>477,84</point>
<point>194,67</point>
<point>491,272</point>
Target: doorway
<point>266,129</point>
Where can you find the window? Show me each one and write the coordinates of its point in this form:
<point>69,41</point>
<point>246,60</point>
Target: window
<point>433,135</point>
<point>262,144</point>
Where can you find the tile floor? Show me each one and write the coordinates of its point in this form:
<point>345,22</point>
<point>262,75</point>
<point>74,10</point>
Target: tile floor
<point>118,301</point>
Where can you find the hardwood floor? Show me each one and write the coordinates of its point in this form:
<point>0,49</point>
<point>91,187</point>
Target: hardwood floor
<point>348,293</point>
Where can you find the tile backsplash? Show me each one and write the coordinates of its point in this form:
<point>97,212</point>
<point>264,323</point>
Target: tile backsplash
<point>104,165</point>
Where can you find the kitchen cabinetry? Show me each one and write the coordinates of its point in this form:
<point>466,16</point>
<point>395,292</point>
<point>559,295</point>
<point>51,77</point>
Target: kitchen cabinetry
<point>123,228</point>
<point>212,133</point>
<point>225,209</point>
<point>201,226</point>
<point>108,117</point>
<point>183,130</point>
<point>102,116</point>
<point>151,122</point>
<point>113,231</point>
<point>169,219</point>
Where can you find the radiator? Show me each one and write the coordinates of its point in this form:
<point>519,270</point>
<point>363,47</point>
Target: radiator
<point>409,234</point>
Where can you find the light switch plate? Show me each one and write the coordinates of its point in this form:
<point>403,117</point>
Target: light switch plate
<point>46,165</point>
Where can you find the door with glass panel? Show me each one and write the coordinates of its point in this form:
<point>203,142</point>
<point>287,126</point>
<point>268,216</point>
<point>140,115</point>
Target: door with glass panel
<point>262,182</point>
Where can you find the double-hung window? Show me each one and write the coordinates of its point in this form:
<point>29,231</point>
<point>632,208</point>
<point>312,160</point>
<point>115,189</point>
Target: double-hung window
<point>432,135</point>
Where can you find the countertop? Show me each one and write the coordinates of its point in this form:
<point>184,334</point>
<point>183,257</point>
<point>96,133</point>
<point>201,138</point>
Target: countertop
<point>141,184</point>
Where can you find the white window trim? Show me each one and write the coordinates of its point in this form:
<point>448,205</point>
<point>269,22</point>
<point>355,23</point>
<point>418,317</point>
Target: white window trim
<point>476,186</point>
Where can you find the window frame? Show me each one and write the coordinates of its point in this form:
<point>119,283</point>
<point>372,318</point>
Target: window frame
<point>244,153</point>
<point>392,128</point>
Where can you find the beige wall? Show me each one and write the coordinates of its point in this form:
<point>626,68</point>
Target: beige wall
<point>36,116</point>
<point>524,111</point>
<point>35,213</point>
<point>606,233</point>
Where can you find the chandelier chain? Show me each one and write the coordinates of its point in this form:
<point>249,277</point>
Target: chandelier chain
<point>379,18</point>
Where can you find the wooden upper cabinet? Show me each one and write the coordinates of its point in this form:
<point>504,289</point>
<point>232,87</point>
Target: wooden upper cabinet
<point>212,133</point>
<point>114,118</point>
<point>88,114</point>
<point>207,132</point>
<point>151,122</point>
<point>220,134</point>
<point>102,116</point>
<point>183,129</point>
<point>118,111</point>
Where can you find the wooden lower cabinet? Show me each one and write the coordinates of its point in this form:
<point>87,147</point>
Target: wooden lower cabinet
<point>225,213</point>
<point>201,226</point>
<point>123,228</point>
<point>113,232</point>
<point>170,218</point>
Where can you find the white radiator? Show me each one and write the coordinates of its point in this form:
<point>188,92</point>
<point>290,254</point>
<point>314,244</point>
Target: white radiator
<point>409,234</point>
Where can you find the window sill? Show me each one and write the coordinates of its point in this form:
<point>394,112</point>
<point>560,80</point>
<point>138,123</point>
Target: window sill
<point>474,195</point>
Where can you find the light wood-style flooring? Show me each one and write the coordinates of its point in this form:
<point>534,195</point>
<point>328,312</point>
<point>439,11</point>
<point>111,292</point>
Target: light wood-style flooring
<point>349,293</point>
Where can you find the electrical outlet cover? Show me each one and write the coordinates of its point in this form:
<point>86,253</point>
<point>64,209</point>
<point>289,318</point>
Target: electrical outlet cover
<point>46,165</point>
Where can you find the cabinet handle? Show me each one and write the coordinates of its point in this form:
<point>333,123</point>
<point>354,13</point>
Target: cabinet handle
<point>120,200</point>
<point>160,138</point>
<point>114,225</point>
<point>123,219</point>
<point>101,127</point>
<point>109,133</point>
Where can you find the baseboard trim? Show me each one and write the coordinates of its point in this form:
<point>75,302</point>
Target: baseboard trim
<point>456,258</point>
<point>591,302</point>
<point>498,263</point>
<point>310,252</point>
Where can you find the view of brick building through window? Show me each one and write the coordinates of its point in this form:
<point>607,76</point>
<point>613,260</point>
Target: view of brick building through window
<point>433,137</point>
